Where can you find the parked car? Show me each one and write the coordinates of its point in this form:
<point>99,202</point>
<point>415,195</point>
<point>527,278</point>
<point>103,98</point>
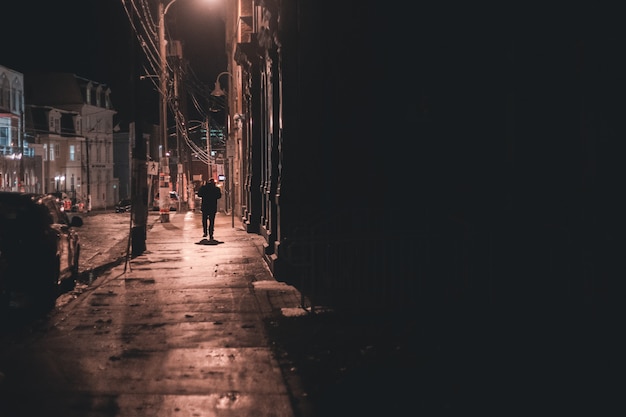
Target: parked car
<point>173,203</point>
<point>64,202</point>
<point>39,249</point>
<point>123,206</point>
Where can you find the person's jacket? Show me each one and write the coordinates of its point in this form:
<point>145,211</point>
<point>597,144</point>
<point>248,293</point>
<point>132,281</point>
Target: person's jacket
<point>209,193</point>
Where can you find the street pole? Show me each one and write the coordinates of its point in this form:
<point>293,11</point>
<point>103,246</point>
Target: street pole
<point>208,146</point>
<point>232,190</point>
<point>88,172</point>
<point>179,158</point>
<point>139,193</point>
<point>164,192</point>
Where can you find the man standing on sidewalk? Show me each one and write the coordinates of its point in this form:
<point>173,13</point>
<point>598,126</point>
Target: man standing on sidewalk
<point>209,193</point>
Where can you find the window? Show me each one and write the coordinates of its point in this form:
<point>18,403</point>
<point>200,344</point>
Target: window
<point>54,122</point>
<point>15,107</point>
<point>45,151</point>
<point>4,136</point>
<point>17,96</point>
<point>72,152</point>
<point>52,207</point>
<point>4,92</point>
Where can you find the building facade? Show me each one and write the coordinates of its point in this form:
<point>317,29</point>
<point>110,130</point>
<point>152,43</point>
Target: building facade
<point>309,136</point>
<point>19,169</point>
<point>57,141</point>
<point>391,163</point>
<point>75,133</point>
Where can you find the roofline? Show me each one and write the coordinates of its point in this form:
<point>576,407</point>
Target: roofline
<point>40,106</point>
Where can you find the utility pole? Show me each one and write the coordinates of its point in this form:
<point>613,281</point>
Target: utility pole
<point>208,145</point>
<point>179,120</point>
<point>230,144</point>
<point>179,159</point>
<point>139,179</point>
<point>88,172</point>
<point>186,152</point>
<point>164,192</point>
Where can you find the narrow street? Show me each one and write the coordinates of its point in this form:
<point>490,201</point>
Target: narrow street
<point>179,332</point>
<point>104,238</point>
<point>104,243</point>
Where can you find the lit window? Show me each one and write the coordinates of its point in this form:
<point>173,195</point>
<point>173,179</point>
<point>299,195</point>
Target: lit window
<point>4,136</point>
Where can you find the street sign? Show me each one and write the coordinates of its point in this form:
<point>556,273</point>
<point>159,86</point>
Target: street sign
<point>153,168</point>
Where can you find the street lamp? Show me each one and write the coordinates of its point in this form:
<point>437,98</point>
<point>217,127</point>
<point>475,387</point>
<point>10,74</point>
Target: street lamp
<point>164,164</point>
<point>218,92</point>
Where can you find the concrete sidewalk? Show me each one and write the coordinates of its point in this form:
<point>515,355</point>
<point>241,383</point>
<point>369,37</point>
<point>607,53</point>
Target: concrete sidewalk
<point>177,331</point>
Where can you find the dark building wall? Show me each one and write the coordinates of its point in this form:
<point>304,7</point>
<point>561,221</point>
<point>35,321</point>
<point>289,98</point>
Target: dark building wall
<point>483,157</point>
<point>347,126</point>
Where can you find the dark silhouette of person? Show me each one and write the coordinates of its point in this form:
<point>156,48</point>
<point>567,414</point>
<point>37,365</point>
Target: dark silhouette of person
<point>210,193</point>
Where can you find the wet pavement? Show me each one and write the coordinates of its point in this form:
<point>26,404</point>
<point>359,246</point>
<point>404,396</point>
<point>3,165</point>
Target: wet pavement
<point>104,239</point>
<point>198,328</point>
<point>177,331</point>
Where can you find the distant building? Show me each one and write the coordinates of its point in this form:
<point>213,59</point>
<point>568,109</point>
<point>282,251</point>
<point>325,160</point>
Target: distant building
<point>18,167</point>
<point>78,135</point>
<point>61,148</point>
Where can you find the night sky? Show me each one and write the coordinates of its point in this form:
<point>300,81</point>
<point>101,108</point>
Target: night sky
<point>92,40</point>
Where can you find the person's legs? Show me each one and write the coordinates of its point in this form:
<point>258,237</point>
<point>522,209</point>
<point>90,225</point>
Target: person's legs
<point>211,224</point>
<point>204,223</point>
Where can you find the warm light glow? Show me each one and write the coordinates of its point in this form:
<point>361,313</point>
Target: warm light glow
<point>217,91</point>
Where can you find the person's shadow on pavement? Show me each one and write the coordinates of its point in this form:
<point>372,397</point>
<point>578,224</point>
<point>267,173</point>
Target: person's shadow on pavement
<point>209,242</point>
